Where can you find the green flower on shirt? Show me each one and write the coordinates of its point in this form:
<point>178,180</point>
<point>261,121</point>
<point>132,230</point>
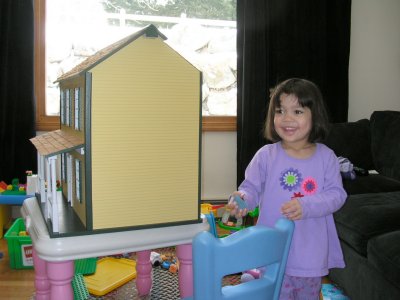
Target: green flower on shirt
<point>290,179</point>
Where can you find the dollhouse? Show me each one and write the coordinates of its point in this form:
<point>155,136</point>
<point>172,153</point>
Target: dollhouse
<point>129,141</point>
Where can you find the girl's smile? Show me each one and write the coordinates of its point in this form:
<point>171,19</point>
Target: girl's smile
<point>293,122</point>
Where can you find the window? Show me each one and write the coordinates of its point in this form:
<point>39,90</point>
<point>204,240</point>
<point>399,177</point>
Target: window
<point>77,110</point>
<point>198,38</point>
<point>62,106</point>
<point>68,108</point>
<point>78,191</point>
<point>63,167</point>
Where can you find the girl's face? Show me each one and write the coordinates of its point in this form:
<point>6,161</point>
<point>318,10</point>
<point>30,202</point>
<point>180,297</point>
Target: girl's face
<point>292,122</point>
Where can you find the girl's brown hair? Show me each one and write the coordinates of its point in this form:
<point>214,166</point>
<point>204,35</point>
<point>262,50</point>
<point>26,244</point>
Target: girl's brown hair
<point>308,95</point>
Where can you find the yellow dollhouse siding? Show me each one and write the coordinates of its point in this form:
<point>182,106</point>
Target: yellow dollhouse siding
<point>145,137</point>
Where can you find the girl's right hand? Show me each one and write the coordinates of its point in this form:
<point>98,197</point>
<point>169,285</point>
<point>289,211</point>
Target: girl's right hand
<point>237,207</point>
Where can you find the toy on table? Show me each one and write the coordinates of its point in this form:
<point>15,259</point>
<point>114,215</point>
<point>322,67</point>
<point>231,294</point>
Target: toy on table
<point>230,222</point>
<point>15,188</point>
<point>239,201</point>
<point>226,217</point>
<point>3,186</point>
<point>208,208</point>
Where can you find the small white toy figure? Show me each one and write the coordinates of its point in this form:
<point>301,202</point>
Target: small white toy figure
<point>31,183</point>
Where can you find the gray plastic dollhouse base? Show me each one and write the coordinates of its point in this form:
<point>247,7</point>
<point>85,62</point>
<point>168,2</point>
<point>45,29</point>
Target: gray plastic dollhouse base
<point>69,222</point>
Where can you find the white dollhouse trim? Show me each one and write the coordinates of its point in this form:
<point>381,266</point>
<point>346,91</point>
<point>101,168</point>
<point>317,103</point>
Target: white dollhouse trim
<point>50,145</point>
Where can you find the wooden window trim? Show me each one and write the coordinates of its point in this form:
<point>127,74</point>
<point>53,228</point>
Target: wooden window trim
<point>220,123</point>
<point>49,123</point>
<point>43,122</point>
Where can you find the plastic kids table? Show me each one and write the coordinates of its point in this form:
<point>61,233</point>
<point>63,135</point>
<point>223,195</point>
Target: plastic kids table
<point>54,257</point>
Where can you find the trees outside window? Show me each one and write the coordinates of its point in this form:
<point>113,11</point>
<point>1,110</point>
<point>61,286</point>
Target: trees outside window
<point>203,31</point>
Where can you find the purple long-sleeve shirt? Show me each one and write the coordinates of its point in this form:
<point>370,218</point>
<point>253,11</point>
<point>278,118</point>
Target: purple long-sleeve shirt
<point>273,178</point>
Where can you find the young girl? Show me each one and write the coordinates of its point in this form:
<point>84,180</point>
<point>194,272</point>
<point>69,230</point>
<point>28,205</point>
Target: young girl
<point>297,178</point>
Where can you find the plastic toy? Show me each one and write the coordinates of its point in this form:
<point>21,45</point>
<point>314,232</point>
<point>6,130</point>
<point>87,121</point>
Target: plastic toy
<point>79,287</point>
<point>155,259</point>
<point>230,222</point>
<point>331,292</point>
<point>3,185</point>
<point>207,208</point>
<point>15,188</point>
<point>110,274</point>
<point>168,262</point>
<point>173,268</point>
<point>239,201</point>
<point>85,266</point>
<point>166,265</point>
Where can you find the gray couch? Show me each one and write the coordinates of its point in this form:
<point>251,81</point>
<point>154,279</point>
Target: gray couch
<point>369,223</point>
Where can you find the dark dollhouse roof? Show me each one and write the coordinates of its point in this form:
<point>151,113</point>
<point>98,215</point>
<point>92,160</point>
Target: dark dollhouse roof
<point>99,56</point>
<point>56,142</point>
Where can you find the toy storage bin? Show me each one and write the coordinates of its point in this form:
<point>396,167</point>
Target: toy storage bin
<point>19,246</point>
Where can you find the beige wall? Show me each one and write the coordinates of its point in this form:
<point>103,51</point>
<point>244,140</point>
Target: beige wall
<point>218,174</point>
<point>374,68</point>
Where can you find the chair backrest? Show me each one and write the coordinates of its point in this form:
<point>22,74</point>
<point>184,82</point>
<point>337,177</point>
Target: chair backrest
<point>253,247</point>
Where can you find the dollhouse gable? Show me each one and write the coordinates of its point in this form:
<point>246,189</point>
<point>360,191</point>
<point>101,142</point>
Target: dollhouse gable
<point>136,105</point>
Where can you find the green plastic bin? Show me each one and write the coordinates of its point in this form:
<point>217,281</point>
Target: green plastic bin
<point>19,246</point>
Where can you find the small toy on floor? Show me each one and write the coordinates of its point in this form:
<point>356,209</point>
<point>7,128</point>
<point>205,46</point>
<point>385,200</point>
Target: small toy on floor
<point>167,261</point>
<point>332,292</point>
<point>155,259</point>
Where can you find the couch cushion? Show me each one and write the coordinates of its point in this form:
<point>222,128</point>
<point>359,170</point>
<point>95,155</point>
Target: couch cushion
<point>385,142</point>
<point>364,216</point>
<point>384,255</point>
<point>373,183</point>
<point>352,140</point>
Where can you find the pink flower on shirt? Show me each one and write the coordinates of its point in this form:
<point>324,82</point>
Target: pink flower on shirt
<point>309,186</point>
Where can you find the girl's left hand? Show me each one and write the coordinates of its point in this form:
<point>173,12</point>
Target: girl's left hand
<point>292,209</point>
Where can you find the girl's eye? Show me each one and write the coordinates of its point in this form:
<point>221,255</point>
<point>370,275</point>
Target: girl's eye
<point>298,112</point>
<point>279,111</point>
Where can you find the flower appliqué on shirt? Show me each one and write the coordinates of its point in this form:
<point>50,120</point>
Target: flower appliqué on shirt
<point>290,179</point>
<point>297,195</point>
<point>309,186</point>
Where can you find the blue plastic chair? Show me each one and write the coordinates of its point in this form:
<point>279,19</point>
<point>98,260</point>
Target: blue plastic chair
<point>253,247</point>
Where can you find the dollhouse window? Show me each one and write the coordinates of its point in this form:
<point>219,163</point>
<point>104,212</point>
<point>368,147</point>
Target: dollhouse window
<point>68,109</point>
<point>77,110</point>
<point>78,191</point>
<point>63,167</point>
<point>62,108</point>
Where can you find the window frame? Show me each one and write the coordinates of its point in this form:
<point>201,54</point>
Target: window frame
<point>49,123</point>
